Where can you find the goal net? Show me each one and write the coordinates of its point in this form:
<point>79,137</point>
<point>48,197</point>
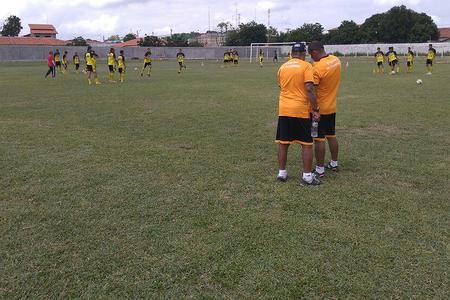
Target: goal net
<point>268,49</point>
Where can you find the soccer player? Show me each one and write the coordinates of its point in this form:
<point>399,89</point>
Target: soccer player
<point>94,66</point>
<point>111,64</point>
<point>51,65</point>
<point>289,56</point>
<point>297,100</point>
<point>409,60</point>
<point>235,57</point>
<point>57,57</point>
<point>65,62</point>
<point>431,56</point>
<point>180,60</point>
<point>327,78</point>
<point>379,57</point>
<point>76,62</point>
<point>393,60</point>
<point>261,57</point>
<point>147,62</point>
<point>90,63</point>
<point>121,65</point>
<point>226,57</point>
<point>275,56</point>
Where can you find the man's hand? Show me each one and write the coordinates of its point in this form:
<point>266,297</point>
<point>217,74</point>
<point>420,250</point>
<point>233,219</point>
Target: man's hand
<point>316,116</point>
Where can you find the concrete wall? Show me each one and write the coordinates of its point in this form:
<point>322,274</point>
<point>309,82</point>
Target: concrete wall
<point>35,53</point>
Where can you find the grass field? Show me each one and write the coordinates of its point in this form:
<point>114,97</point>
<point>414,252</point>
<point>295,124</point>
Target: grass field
<point>164,187</point>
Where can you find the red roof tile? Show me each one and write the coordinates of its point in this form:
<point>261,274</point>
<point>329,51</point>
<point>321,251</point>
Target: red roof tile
<point>444,32</point>
<point>42,28</point>
<point>31,41</point>
<point>134,42</point>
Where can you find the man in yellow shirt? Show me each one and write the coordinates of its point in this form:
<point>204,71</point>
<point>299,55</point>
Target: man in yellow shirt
<point>393,60</point>
<point>90,65</point>
<point>431,56</point>
<point>379,57</point>
<point>111,64</point>
<point>180,59</point>
<point>147,62</point>
<point>76,61</point>
<point>409,60</point>
<point>296,103</point>
<point>327,78</point>
<point>121,65</point>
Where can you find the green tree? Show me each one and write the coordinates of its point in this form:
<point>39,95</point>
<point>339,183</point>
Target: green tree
<point>114,38</point>
<point>307,32</point>
<point>272,35</point>
<point>129,37</point>
<point>151,41</point>
<point>78,41</point>
<point>178,40</point>
<point>347,33</point>
<point>224,27</point>
<point>246,34</point>
<point>12,26</point>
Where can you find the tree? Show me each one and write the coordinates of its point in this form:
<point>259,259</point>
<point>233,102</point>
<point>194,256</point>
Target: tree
<point>399,25</point>
<point>347,33</point>
<point>246,34</point>
<point>12,26</point>
<point>178,40</point>
<point>129,37</point>
<point>272,35</point>
<point>224,27</point>
<point>307,32</point>
<point>78,41</point>
<point>151,41</point>
<point>114,38</point>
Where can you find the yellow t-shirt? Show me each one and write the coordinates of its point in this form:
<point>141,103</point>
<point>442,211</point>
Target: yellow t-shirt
<point>88,57</point>
<point>57,57</point>
<point>327,78</point>
<point>379,56</point>
<point>180,57</point>
<point>147,57</point>
<point>292,76</point>
<point>76,60</point>
<point>120,61</point>
<point>111,59</point>
<point>410,56</point>
<point>431,54</point>
<point>392,56</point>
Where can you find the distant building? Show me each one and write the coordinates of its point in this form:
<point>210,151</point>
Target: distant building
<point>211,39</point>
<point>130,43</point>
<point>444,34</point>
<point>31,41</point>
<point>42,31</point>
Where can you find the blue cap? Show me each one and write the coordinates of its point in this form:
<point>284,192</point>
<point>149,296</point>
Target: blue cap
<point>299,47</point>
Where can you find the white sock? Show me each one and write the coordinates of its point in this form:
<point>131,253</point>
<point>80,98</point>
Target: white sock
<point>282,173</point>
<point>334,163</point>
<point>307,177</point>
<point>320,170</point>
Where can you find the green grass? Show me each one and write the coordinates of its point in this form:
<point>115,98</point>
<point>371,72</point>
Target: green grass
<point>164,187</point>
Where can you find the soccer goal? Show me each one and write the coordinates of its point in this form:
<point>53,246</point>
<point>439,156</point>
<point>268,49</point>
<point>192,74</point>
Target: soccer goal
<point>269,50</point>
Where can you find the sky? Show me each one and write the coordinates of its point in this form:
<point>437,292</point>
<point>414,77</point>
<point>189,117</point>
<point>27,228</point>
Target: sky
<point>99,19</point>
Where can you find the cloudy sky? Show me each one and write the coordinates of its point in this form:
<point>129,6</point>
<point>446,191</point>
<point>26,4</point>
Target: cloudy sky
<point>102,18</point>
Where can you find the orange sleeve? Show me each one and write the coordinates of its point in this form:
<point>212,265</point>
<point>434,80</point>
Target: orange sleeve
<point>316,75</point>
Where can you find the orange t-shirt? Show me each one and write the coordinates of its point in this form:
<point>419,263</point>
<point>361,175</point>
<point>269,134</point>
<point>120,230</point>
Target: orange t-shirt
<point>327,77</point>
<point>292,76</point>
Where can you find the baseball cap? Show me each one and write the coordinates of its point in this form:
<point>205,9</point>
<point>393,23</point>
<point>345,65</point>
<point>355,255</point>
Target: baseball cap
<point>299,47</point>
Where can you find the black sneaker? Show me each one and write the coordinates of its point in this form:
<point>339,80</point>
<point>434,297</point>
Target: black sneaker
<point>314,182</point>
<point>318,175</point>
<point>330,167</point>
<point>281,179</point>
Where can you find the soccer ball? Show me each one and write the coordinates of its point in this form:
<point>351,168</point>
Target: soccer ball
<point>135,68</point>
<point>393,72</point>
<point>419,81</point>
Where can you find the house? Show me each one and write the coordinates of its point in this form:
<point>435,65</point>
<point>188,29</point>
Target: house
<point>31,41</point>
<point>130,43</point>
<point>211,39</point>
<point>42,31</point>
<point>444,34</point>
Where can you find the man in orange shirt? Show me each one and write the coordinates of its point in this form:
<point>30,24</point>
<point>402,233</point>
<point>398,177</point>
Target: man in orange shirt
<point>297,101</point>
<point>327,78</point>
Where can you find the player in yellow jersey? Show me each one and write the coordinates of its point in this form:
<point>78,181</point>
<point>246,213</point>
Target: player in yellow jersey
<point>90,64</point>
<point>111,64</point>
<point>235,57</point>
<point>261,57</point>
<point>76,62</point>
<point>180,60</point>
<point>409,60</point>
<point>121,65</point>
<point>57,56</point>
<point>94,66</point>
<point>431,56</point>
<point>147,62</point>
<point>65,62</point>
<point>393,60</point>
<point>379,57</point>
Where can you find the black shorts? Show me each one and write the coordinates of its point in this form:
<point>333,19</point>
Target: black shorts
<point>77,66</point>
<point>293,130</point>
<point>380,63</point>
<point>409,63</point>
<point>147,64</point>
<point>58,63</point>
<point>429,62</point>
<point>180,63</point>
<point>395,62</point>
<point>120,70</point>
<point>236,61</point>
<point>111,68</point>
<point>89,68</point>
<point>327,126</point>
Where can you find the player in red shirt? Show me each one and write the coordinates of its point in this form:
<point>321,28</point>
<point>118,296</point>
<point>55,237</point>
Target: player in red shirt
<point>51,65</point>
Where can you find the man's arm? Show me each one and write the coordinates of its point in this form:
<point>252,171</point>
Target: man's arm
<point>311,90</point>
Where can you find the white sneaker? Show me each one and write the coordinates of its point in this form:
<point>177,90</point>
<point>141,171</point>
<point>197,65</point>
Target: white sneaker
<point>429,73</point>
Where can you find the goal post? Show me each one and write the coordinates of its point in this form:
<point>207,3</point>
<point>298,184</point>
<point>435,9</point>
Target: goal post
<point>283,48</point>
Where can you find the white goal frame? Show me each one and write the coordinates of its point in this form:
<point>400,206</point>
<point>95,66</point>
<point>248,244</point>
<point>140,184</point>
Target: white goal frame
<point>257,46</point>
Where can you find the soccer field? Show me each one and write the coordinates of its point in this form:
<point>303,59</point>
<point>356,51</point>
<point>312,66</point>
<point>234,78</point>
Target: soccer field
<point>164,187</point>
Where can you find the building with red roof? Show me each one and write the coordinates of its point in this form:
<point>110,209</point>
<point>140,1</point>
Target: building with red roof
<point>42,31</point>
<point>130,43</point>
<point>31,41</point>
<point>444,34</point>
